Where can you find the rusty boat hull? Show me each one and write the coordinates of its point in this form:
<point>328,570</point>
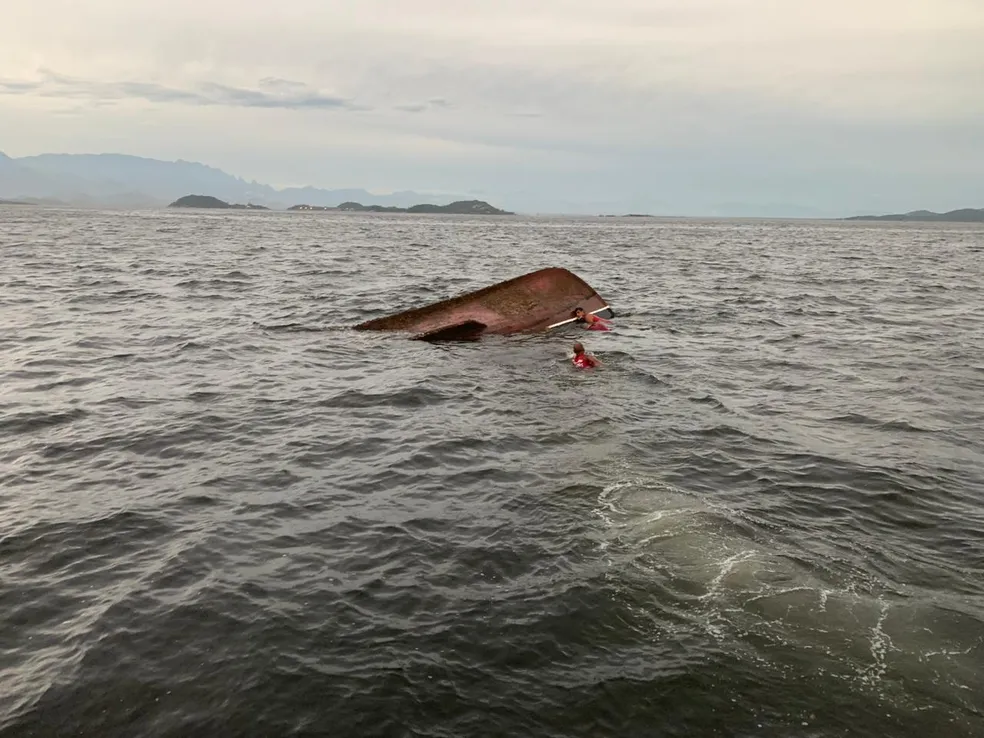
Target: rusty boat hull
<point>534,302</point>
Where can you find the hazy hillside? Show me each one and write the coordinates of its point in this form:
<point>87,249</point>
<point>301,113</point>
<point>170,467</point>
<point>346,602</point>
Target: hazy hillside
<point>107,175</point>
<point>963,215</point>
<point>133,181</point>
<point>18,181</point>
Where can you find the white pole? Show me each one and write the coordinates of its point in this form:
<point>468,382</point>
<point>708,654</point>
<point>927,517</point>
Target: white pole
<point>571,320</point>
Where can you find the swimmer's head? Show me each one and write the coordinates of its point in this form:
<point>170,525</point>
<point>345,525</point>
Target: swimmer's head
<point>579,313</point>
<point>578,348</point>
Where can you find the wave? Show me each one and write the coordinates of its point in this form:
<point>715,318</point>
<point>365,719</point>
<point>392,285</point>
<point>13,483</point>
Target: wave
<point>28,421</point>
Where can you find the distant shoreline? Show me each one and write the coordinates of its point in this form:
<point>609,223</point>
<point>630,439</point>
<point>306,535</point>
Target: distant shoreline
<point>482,208</point>
<point>964,215</point>
<point>461,207</point>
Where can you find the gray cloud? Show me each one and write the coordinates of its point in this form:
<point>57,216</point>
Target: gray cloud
<point>12,87</point>
<point>434,103</point>
<point>296,97</point>
<point>123,90</point>
<point>277,93</point>
<point>271,93</point>
<point>276,83</point>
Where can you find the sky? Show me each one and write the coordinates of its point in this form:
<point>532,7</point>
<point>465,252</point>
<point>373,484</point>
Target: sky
<point>697,107</point>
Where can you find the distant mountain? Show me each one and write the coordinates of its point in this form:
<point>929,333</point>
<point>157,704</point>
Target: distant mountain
<point>964,215</point>
<point>121,180</point>
<point>333,198</point>
<point>205,201</point>
<point>18,181</point>
<point>460,207</point>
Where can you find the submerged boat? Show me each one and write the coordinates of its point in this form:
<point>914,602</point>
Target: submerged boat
<point>535,302</point>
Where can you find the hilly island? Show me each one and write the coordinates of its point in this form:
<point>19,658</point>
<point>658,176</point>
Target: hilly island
<point>206,201</point>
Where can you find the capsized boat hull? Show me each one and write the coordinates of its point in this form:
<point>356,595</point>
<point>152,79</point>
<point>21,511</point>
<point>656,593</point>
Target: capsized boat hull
<point>534,302</point>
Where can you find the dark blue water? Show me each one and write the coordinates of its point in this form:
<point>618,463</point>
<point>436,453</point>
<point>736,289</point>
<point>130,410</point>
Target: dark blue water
<point>222,513</point>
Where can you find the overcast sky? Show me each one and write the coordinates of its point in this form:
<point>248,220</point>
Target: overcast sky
<point>672,106</point>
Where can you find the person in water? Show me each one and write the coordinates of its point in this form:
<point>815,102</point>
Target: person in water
<point>592,322</point>
<point>583,360</point>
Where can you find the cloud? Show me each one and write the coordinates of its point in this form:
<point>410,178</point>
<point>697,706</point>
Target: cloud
<point>275,83</point>
<point>435,103</point>
<point>278,93</point>
<point>13,87</point>
<point>295,98</point>
<point>270,93</point>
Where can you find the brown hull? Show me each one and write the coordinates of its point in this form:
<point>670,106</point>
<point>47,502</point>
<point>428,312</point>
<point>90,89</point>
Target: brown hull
<point>533,302</point>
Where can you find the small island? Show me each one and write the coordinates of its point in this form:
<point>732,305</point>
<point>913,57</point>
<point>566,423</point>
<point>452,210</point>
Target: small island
<point>206,201</point>
<point>461,207</point>
<point>13,202</point>
<point>964,215</point>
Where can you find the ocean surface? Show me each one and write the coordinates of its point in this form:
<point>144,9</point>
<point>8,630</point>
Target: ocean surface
<point>223,513</point>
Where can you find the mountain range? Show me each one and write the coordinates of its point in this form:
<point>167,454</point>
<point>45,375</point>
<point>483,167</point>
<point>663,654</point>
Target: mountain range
<point>125,181</point>
<point>120,180</point>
